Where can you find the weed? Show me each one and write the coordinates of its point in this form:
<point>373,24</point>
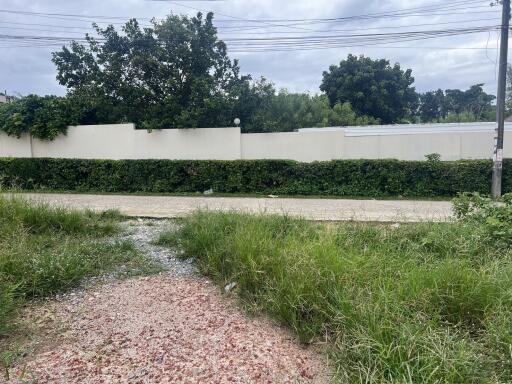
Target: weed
<point>44,250</point>
<point>422,303</point>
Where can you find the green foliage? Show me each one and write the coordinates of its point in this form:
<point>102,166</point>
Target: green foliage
<point>43,117</point>
<point>370,178</point>
<point>422,303</point>
<point>44,250</point>
<point>173,74</point>
<point>456,106</point>
<point>342,114</point>
<point>432,106</point>
<point>495,217</point>
<point>373,88</point>
<point>177,74</point>
<point>261,109</point>
<point>467,117</point>
<point>433,157</point>
<point>8,304</point>
<point>38,219</point>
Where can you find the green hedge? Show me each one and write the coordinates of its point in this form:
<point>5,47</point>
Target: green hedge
<point>370,178</point>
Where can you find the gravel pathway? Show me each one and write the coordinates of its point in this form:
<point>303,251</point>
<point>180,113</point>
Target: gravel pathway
<point>144,231</point>
<point>175,327</point>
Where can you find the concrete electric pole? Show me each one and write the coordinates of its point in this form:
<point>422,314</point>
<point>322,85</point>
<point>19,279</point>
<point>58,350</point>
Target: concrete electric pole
<point>500,102</point>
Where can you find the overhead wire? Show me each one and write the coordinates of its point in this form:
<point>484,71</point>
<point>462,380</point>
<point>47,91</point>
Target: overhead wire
<point>314,39</point>
<point>290,42</point>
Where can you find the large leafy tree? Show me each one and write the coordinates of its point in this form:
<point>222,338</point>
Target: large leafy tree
<point>477,101</point>
<point>173,74</point>
<point>372,87</point>
<point>455,100</point>
<point>432,106</point>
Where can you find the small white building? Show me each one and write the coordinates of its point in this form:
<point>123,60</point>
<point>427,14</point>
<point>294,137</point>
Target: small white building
<point>5,99</point>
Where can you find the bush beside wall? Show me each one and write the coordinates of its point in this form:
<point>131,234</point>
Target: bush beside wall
<point>365,178</point>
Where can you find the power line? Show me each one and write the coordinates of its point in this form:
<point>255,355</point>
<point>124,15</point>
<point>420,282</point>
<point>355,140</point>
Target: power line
<point>457,5</point>
<point>302,38</point>
<point>362,29</point>
<point>89,29</point>
<point>421,8</point>
<point>282,43</point>
<point>318,39</point>
<point>284,23</point>
<point>221,29</point>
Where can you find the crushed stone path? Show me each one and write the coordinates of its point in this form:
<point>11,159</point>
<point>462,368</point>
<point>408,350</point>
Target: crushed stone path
<point>175,327</point>
<point>312,209</point>
<point>143,232</point>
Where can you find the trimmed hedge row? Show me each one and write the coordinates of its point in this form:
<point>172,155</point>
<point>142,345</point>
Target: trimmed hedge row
<point>365,178</point>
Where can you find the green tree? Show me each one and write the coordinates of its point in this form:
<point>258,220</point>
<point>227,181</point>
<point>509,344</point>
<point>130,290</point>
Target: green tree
<point>372,87</point>
<point>455,105</point>
<point>433,106</point>
<point>173,74</point>
<point>455,100</point>
<point>429,107</point>
<point>477,101</point>
<point>254,105</point>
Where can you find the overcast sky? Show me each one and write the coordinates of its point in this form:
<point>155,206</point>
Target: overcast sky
<point>27,70</point>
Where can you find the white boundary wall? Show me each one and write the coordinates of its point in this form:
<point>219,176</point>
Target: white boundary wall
<point>123,141</point>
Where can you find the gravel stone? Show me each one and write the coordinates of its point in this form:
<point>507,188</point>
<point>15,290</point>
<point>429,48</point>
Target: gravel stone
<point>165,329</point>
<point>143,232</point>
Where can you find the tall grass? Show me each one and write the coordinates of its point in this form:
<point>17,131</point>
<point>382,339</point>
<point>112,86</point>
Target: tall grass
<point>44,250</point>
<point>39,218</point>
<point>422,303</point>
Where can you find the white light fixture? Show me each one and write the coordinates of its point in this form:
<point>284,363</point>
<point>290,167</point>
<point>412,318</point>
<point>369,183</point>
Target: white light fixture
<point>237,122</point>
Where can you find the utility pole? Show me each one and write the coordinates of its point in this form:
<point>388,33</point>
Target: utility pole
<point>500,102</point>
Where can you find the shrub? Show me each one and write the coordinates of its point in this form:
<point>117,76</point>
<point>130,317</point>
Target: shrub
<point>495,217</point>
<point>43,117</point>
<point>365,178</point>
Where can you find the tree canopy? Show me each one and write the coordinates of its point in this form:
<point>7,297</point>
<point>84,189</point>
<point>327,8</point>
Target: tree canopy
<point>173,74</point>
<point>178,74</point>
<point>263,109</point>
<point>455,105</point>
<point>372,87</point>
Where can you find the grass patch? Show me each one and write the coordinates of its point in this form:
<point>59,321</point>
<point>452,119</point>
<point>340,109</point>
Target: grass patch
<point>45,250</point>
<point>422,303</point>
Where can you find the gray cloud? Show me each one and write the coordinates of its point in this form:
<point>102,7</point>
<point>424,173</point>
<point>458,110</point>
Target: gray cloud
<point>29,70</point>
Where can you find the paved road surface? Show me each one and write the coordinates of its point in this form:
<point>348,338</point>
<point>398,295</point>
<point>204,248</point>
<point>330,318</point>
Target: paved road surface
<point>313,209</point>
